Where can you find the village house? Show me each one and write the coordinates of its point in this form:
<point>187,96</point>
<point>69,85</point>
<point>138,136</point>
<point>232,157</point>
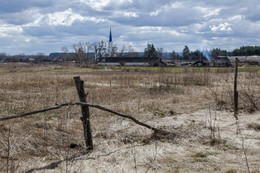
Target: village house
<point>220,61</point>
<point>245,60</point>
<point>227,61</point>
<point>131,61</point>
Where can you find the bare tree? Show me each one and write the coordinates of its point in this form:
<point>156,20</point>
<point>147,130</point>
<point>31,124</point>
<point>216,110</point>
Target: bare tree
<point>65,56</point>
<point>40,57</point>
<point>99,51</point>
<point>121,51</point>
<point>88,47</point>
<point>80,54</point>
<point>65,49</point>
<point>95,47</point>
<point>131,52</point>
<point>160,52</point>
<point>2,56</point>
<point>114,51</point>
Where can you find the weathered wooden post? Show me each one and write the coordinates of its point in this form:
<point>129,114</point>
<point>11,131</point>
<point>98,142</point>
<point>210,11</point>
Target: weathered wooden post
<point>85,112</point>
<point>235,91</point>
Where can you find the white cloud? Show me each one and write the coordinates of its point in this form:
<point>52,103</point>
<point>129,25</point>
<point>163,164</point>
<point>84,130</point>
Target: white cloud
<point>96,4</point>
<point>168,7</point>
<point>63,18</point>
<point>165,23</point>
<point>223,27</point>
<point>126,14</point>
<point>177,4</point>
<point>155,13</point>
<point>236,18</point>
<point>209,12</point>
<point>7,30</point>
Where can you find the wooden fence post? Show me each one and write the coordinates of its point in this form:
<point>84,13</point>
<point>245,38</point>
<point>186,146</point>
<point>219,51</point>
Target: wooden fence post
<point>235,91</point>
<point>85,112</point>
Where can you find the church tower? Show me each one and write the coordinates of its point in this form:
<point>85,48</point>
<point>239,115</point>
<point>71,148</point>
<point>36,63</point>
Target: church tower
<point>110,43</point>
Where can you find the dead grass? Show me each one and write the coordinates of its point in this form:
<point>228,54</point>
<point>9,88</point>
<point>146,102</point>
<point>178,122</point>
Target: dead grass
<point>254,126</point>
<point>176,102</point>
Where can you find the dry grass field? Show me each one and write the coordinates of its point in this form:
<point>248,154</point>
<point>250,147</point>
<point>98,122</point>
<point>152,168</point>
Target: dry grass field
<point>197,106</point>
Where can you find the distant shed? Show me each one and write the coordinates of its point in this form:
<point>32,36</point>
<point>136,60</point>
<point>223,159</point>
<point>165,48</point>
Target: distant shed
<point>200,64</point>
<point>246,60</point>
<point>130,61</point>
<point>220,61</point>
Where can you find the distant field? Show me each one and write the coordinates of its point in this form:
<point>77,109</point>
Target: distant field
<point>196,104</point>
<point>28,68</point>
<point>184,69</point>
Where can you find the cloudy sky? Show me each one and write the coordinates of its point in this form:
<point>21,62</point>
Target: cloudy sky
<point>44,26</point>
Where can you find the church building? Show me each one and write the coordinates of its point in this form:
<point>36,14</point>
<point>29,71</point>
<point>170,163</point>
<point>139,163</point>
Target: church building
<point>103,50</point>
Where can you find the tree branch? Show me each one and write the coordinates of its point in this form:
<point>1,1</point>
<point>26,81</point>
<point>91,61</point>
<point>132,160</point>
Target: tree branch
<point>90,105</point>
<point>34,112</point>
<point>122,115</point>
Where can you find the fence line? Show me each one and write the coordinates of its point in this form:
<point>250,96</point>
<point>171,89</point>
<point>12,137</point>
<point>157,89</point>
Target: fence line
<point>156,130</point>
<point>84,104</point>
<point>85,114</point>
<point>35,112</point>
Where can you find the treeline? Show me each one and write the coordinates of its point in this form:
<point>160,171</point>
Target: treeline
<point>246,51</point>
<point>191,55</point>
<point>40,57</point>
<point>187,55</point>
<point>242,51</point>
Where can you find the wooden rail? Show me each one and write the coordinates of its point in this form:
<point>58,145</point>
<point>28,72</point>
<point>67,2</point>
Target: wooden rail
<point>84,104</point>
<point>85,114</point>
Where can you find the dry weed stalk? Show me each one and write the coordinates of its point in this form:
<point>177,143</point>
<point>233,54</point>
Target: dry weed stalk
<point>8,149</point>
<point>213,128</point>
<point>135,161</point>
<point>236,112</point>
<point>248,96</point>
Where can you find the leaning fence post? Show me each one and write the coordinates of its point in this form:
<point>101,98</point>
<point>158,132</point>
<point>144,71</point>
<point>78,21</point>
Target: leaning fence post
<point>85,112</point>
<point>235,91</point>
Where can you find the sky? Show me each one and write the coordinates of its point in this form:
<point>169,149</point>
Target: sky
<point>45,26</point>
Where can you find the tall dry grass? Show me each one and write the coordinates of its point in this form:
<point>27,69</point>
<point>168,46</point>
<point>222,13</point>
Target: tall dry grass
<point>145,95</point>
